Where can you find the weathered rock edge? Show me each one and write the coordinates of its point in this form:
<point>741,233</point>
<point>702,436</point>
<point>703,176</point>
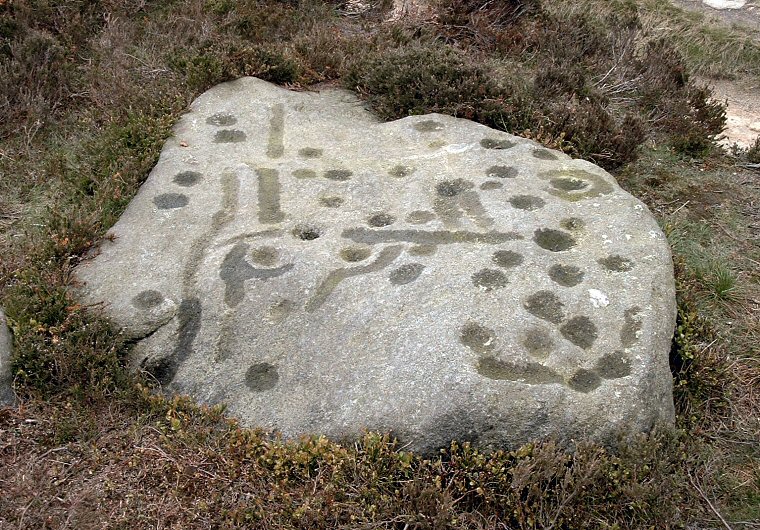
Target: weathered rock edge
<point>7,396</point>
<point>323,273</point>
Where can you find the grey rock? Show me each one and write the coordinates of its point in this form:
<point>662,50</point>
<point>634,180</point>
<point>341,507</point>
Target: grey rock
<point>7,396</point>
<point>321,272</point>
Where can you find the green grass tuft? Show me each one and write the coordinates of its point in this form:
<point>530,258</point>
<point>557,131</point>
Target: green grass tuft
<point>722,281</point>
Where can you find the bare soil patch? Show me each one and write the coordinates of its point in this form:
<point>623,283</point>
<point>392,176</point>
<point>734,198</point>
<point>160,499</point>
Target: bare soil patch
<point>742,98</point>
<point>741,95</point>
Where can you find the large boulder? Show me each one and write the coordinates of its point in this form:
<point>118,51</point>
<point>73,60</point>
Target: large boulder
<point>7,396</point>
<point>322,273</point>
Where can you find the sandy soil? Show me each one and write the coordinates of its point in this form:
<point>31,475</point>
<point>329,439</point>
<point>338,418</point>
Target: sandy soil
<point>742,97</point>
<point>743,110</point>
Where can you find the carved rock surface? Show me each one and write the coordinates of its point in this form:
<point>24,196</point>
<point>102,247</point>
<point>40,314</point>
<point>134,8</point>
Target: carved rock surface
<point>321,273</point>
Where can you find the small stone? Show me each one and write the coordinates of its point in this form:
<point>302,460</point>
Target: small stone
<point>7,396</point>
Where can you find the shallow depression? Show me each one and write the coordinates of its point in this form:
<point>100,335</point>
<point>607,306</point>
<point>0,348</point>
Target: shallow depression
<point>170,201</point>
<point>187,178</point>
<point>553,240</point>
<point>489,279</point>
<point>261,377</point>
<point>406,273</point>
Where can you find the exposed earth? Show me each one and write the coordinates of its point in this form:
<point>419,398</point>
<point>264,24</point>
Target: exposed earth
<point>743,110</point>
<point>742,96</point>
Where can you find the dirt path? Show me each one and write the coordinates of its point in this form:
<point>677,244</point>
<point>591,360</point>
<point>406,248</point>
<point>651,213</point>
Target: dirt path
<point>742,96</point>
<point>743,109</point>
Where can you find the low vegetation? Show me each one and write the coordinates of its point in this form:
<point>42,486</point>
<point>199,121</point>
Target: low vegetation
<point>89,90</point>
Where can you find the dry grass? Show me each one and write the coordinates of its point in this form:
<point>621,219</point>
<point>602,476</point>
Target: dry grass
<point>710,49</point>
<point>709,211</point>
<point>88,93</point>
<point>174,466</point>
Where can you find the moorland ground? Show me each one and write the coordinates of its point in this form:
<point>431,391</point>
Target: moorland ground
<point>89,90</point>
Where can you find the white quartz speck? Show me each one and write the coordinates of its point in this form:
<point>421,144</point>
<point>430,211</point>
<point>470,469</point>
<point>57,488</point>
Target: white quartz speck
<point>598,298</point>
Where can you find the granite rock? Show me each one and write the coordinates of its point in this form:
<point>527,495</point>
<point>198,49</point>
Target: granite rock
<point>321,272</point>
<point>7,396</point>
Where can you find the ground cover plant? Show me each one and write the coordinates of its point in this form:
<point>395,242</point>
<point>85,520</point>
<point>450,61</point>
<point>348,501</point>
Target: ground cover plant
<point>89,90</point>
